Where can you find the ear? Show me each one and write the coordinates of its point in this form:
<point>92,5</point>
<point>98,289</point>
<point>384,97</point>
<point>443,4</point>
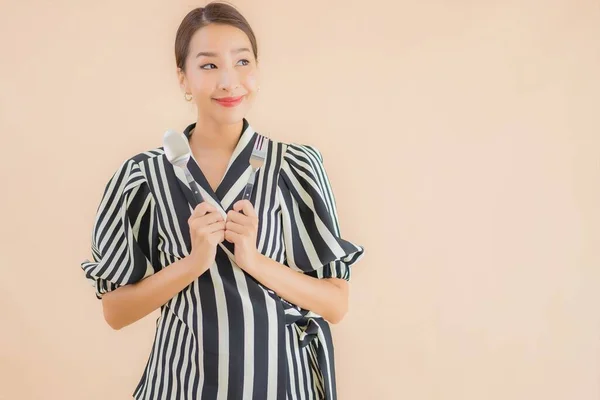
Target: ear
<point>181,78</point>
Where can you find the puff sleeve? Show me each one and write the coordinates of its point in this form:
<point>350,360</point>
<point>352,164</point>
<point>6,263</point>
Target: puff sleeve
<point>124,233</point>
<point>311,231</point>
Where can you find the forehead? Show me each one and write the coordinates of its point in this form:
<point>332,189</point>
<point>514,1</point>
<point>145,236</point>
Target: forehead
<point>218,38</point>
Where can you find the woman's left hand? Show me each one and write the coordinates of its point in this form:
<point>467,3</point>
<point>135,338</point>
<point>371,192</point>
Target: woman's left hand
<point>241,230</point>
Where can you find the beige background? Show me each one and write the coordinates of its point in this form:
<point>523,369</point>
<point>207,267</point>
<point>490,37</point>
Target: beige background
<point>462,139</point>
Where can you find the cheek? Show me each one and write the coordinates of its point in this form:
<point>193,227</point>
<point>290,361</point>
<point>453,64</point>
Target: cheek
<point>201,84</point>
<point>251,81</point>
<point>204,87</point>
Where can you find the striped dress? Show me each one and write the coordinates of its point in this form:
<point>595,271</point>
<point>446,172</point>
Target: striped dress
<point>226,336</point>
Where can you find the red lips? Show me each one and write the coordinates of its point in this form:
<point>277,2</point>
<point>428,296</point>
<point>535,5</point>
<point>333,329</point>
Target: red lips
<point>229,101</point>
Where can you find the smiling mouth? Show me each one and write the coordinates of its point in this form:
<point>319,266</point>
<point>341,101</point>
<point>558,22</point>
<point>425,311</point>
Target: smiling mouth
<point>229,101</point>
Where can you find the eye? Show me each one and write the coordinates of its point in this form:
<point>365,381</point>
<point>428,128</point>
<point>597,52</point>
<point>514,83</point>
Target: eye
<point>244,62</point>
<point>208,66</point>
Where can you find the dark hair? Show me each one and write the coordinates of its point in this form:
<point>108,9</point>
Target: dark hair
<point>212,13</point>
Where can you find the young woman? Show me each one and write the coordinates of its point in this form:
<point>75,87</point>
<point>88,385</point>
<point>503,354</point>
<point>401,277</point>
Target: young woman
<point>246,288</point>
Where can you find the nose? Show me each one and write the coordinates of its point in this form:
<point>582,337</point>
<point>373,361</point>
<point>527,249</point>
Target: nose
<point>228,80</point>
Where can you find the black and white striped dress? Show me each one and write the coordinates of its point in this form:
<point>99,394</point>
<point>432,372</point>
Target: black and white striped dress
<point>226,336</point>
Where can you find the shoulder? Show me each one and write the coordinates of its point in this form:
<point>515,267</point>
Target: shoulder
<point>132,169</point>
<point>143,157</point>
<point>141,160</point>
<point>303,166</point>
<point>294,155</point>
<point>291,151</point>
<point>301,155</point>
<point>147,155</point>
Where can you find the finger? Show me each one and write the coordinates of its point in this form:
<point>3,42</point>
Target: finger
<point>208,219</point>
<point>249,209</point>
<point>232,237</point>
<point>242,219</point>
<point>237,206</point>
<point>217,237</point>
<point>203,208</point>
<point>245,206</point>
<point>235,227</point>
<point>217,226</point>
<point>237,217</point>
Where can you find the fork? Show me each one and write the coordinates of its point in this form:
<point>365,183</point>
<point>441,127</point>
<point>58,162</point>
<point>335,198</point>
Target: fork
<point>257,160</point>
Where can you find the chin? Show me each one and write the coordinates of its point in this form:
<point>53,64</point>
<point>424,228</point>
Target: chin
<point>231,116</point>
<point>228,119</point>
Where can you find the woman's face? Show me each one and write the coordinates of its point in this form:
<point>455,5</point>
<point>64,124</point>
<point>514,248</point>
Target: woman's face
<point>221,73</point>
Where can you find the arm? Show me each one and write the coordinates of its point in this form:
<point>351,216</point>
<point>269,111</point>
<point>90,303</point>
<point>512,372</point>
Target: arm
<point>326,297</point>
<point>311,239</point>
<point>130,303</point>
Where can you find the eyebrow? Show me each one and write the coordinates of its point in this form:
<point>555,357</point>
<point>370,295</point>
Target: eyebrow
<point>213,54</point>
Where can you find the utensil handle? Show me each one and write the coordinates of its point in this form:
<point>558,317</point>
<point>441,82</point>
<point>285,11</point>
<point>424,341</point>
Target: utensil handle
<point>248,191</point>
<point>193,187</point>
<point>196,192</point>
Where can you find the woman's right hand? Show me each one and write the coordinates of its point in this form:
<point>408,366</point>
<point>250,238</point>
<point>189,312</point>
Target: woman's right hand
<point>207,230</point>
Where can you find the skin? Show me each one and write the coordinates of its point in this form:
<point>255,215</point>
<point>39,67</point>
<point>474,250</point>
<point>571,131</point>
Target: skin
<point>221,63</point>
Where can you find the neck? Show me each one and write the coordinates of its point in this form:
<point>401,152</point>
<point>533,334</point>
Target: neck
<point>208,134</point>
